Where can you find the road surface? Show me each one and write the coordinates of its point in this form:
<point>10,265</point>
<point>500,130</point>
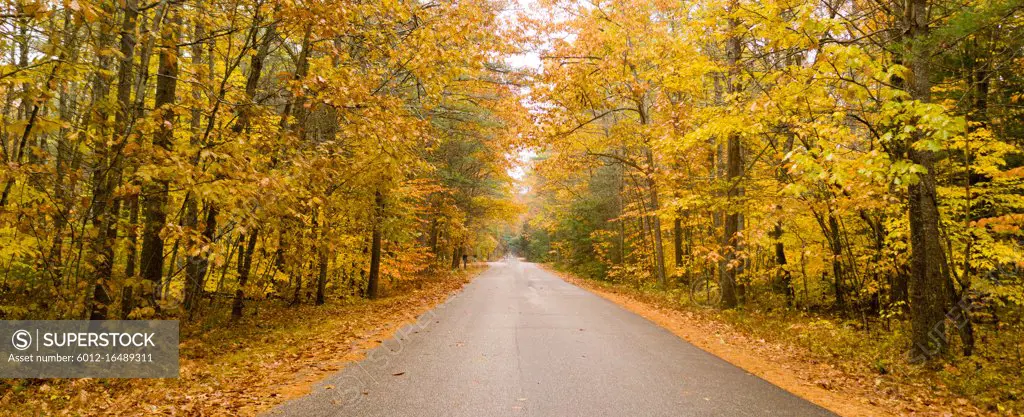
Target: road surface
<point>519,341</point>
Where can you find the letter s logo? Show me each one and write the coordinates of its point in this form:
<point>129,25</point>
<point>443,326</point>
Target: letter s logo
<point>21,339</point>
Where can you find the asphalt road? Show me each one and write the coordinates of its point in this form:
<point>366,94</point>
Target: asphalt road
<point>519,341</point>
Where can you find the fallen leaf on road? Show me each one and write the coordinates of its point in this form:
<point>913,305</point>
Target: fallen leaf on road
<point>398,374</point>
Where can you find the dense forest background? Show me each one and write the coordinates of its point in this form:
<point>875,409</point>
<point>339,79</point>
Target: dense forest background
<point>856,161</point>
<point>160,157</point>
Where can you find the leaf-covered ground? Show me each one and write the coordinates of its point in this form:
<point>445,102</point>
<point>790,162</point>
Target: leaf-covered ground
<point>781,352</point>
<point>246,368</point>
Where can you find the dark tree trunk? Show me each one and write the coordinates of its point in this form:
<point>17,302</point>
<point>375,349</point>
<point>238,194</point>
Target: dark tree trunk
<point>928,282</point>
<point>321,281</point>
<point>785,277</point>
<point>124,116</point>
<point>456,256</point>
<point>677,241</point>
<point>734,172</point>
<point>733,224</point>
<point>434,234</point>
<point>197,265</point>
<point>659,248</point>
<point>156,191</point>
<point>252,81</point>
<point>296,296</point>
<point>900,291</point>
<point>102,248</point>
<point>980,79</point>
<point>836,245</point>
<point>374,277</point>
<point>244,268</point>
<point>131,255</point>
<point>652,193</point>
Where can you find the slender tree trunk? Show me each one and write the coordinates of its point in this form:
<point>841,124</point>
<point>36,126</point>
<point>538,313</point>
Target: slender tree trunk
<point>123,118</point>
<point>652,194</point>
<point>374,277</point>
<point>244,268</point>
<point>677,241</point>
<point>732,224</point>
<point>297,295</point>
<point>62,184</point>
<point>102,248</point>
<point>196,266</point>
<point>456,255</point>
<point>321,250</point>
<point>252,81</point>
<point>785,277</point>
<point>980,76</point>
<point>620,206</point>
<point>734,171</point>
<point>197,263</point>
<point>435,231</point>
<point>785,280</point>
<point>659,247</point>
<point>836,245</point>
<point>137,109</point>
<point>156,191</point>
<point>321,282</point>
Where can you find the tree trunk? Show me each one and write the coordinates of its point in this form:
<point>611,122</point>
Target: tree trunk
<point>321,282</point>
<point>296,296</point>
<point>732,225</point>
<point>928,283</point>
<point>456,255</point>
<point>734,170</point>
<point>374,277</point>
<point>156,191</point>
<point>197,265</point>
<point>434,234</point>
<point>131,255</point>
<point>677,241</point>
<point>244,268</point>
<point>785,277</point>
<point>123,120</point>
<point>980,79</point>
<point>102,248</point>
<point>836,245</point>
<point>659,247</point>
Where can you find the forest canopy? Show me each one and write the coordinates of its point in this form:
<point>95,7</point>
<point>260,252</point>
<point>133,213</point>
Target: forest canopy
<point>862,160</point>
<point>159,153</point>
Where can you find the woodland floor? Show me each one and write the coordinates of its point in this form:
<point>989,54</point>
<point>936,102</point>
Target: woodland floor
<point>825,380</point>
<point>247,368</point>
